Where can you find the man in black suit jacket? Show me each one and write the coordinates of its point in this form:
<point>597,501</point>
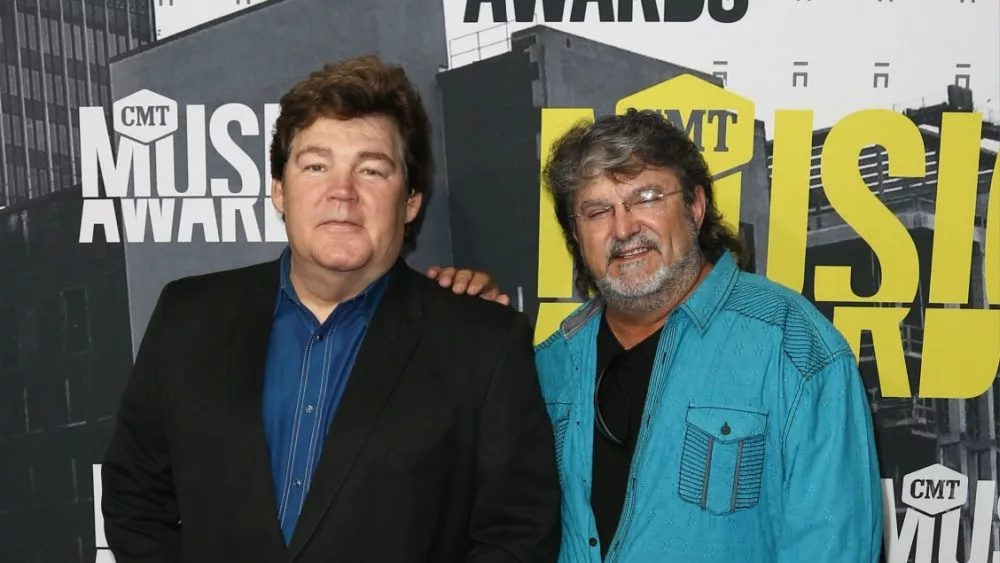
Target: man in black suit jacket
<point>334,405</point>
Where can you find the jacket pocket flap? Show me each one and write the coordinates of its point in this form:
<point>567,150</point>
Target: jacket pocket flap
<point>726,424</point>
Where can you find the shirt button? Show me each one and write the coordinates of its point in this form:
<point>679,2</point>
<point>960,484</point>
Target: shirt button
<point>593,542</point>
<point>319,337</point>
<point>309,409</point>
<point>298,482</point>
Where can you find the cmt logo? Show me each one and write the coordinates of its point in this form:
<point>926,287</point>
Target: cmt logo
<point>935,490</point>
<point>151,201</point>
<point>720,122</point>
<point>937,493</point>
<point>145,116</point>
<point>678,11</point>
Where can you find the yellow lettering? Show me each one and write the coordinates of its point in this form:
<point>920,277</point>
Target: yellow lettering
<point>884,326</point>
<point>789,222</point>
<point>991,261</point>
<point>961,352</point>
<point>955,211</point>
<point>862,210</point>
<point>555,264</point>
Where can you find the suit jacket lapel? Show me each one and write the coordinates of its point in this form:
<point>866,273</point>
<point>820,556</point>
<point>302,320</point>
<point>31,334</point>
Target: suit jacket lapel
<point>384,353</point>
<point>247,349</point>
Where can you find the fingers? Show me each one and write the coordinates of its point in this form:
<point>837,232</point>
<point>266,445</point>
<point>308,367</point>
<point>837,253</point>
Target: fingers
<point>480,282</point>
<point>445,276</point>
<point>462,282</point>
<point>493,294</point>
<point>469,282</point>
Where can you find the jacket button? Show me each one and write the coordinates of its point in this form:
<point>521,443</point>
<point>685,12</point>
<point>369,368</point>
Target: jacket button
<point>725,429</point>
<point>593,542</point>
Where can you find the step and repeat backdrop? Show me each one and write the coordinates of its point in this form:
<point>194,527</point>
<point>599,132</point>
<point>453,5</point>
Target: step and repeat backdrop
<point>855,146</point>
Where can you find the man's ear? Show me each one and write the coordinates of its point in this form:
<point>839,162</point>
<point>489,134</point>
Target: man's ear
<point>413,203</point>
<point>698,205</point>
<point>278,195</point>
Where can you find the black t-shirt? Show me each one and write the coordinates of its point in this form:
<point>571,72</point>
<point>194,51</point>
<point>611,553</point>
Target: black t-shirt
<point>622,399</point>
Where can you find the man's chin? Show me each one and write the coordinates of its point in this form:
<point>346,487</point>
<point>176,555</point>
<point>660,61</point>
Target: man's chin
<point>342,261</point>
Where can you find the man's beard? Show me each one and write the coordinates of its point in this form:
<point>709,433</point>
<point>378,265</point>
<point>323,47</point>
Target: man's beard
<point>641,293</point>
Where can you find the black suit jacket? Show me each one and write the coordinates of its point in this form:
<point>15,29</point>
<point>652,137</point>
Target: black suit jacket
<point>441,449</point>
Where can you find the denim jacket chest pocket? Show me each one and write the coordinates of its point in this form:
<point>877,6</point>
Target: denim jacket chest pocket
<point>722,460</point>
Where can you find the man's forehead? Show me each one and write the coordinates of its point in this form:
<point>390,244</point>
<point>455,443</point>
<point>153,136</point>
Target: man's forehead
<point>350,135</point>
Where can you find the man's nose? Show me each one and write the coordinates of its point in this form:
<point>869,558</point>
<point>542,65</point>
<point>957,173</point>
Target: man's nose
<point>341,186</point>
<point>625,223</point>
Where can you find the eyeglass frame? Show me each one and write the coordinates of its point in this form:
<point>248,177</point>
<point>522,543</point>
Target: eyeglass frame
<point>625,203</point>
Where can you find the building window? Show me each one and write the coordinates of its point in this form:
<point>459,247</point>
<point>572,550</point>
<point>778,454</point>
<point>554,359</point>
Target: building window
<point>59,86</point>
<point>21,183</point>
<point>43,39</point>
<point>53,138</point>
<point>54,34</point>
<point>12,79</point>
<point>63,146</point>
<point>49,94</point>
<point>16,132</point>
<point>36,84</point>
<point>30,129</point>
<point>82,93</point>
<point>26,83</point>
<point>99,40</point>
<point>90,45</point>
<point>77,43</point>
<point>40,134</point>
<point>76,328</point>
<point>20,28</point>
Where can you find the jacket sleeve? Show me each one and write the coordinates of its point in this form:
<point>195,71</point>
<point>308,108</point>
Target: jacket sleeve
<point>141,520</point>
<point>832,495</point>
<point>516,511</point>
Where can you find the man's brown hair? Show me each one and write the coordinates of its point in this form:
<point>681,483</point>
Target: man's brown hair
<point>352,88</point>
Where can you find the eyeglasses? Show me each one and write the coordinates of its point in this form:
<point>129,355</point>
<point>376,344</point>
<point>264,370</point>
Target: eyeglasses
<point>644,204</point>
<point>619,439</point>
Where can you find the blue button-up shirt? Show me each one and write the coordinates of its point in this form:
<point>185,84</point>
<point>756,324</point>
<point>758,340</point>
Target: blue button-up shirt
<point>307,368</point>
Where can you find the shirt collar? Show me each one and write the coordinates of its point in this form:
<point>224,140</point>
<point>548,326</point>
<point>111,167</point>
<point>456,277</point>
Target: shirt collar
<point>706,300</point>
<point>369,297</point>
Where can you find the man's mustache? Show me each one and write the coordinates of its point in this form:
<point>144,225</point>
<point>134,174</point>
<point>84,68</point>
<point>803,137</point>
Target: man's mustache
<point>618,248</point>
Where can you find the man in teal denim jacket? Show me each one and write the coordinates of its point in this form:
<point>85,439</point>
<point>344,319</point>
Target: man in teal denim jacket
<point>702,414</point>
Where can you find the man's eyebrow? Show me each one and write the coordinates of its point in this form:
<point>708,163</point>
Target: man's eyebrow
<point>314,149</point>
<point>377,155</point>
